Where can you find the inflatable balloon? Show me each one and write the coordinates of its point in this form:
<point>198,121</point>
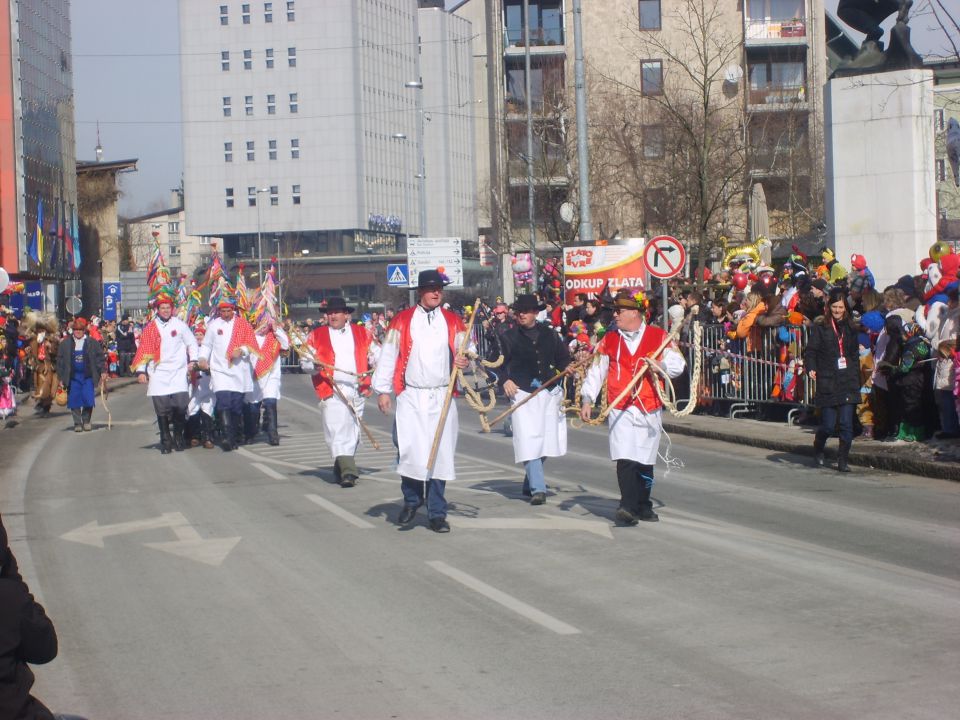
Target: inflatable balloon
<point>740,280</point>
<point>939,249</point>
<point>4,279</point>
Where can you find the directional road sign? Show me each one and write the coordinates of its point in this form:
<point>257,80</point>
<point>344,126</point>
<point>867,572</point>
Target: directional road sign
<point>398,276</point>
<point>433,253</point>
<point>664,256</point>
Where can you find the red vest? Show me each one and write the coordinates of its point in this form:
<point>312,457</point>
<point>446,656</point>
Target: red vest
<point>319,342</point>
<point>401,323</point>
<point>623,366</point>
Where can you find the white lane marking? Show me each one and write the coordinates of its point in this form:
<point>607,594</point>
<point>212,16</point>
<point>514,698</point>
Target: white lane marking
<point>339,511</point>
<point>255,456</point>
<point>269,472</point>
<point>508,601</point>
<point>544,522</point>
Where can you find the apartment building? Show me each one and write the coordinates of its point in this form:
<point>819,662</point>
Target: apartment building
<point>310,124</point>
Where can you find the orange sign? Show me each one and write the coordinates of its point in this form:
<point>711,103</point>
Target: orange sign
<point>587,268</point>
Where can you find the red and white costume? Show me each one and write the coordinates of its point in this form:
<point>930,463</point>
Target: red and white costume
<point>350,349</point>
<point>266,371</point>
<point>222,339</point>
<point>635,422</point>
<point>166,347</point>
<point>415,363</point>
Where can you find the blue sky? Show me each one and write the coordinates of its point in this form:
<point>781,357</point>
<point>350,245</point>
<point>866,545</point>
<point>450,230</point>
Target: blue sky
<point>126,75</point>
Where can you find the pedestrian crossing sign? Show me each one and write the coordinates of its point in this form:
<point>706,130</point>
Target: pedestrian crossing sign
<point>398,276</point>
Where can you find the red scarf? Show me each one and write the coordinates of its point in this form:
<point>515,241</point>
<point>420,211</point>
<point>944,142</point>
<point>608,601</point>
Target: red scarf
<point>269,352</point>
<point>242,337</point>
<point>149,347</point>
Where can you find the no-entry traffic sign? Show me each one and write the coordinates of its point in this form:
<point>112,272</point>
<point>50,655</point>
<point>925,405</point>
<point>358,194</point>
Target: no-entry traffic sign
<point>664,256</point>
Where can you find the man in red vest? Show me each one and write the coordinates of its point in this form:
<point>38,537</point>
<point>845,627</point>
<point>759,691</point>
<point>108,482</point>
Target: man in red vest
<point>420,349</point>
<point>634,422</point>
<point>346,352</point>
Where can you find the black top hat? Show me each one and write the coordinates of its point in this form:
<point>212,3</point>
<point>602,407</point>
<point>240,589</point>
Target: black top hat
<point>527,303</point>
<point>431,278</point>
<point>336,304</point>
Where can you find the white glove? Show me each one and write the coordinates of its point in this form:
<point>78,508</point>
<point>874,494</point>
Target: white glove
<point>306,365</point>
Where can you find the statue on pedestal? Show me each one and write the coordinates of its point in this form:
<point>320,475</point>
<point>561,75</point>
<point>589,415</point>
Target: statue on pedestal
<point>866,16</point>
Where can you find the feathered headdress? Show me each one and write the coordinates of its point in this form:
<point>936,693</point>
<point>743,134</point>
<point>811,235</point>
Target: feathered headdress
<point>265,309</point>
<point>243,298</point>
<point>158,277</point>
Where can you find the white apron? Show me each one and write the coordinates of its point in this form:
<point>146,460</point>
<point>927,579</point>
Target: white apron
<point>634,435</point>
<point>540,426</point>
<point>340,429</point>
<point>201,397</point>
<point>418,413</point>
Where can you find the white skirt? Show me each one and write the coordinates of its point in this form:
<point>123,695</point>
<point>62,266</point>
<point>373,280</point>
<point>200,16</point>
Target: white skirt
<point>540,426</point>
<point>418,414</point>
<point>340,428</point>
<point>634,435</point>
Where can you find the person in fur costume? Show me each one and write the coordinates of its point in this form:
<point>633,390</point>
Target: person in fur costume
<point>43,329</point>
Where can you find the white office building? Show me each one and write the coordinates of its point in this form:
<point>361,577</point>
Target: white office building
<point>293,112</point>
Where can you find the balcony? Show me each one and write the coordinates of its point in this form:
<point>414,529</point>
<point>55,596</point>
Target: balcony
<point>764,31</point>
<point>541,39</point>
<point>772,97</point>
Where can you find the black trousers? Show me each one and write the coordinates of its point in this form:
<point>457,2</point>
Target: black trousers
<point>636,482</point>
<point>174,405</point>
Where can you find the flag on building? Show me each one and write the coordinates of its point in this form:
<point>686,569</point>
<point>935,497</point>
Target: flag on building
<point>35,249</point>
<point>75,230</point>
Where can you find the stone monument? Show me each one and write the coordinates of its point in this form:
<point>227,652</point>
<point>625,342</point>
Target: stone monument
<point>878,115</point>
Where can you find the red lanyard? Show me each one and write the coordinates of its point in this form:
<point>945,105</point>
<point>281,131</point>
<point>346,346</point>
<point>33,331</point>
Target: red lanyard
<point>839,334</point>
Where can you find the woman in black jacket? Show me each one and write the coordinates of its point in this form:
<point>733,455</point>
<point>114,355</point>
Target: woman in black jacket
<point>26,636</point>
<point>832,360</point>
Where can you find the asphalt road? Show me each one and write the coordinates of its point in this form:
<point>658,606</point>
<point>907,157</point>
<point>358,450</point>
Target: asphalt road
<point>246,585</point>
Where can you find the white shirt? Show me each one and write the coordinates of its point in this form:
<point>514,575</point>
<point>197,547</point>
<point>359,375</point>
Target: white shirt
<point>429,362</point>
<point>234,375</point>
<point>178,346</point>
<point>344,355</point>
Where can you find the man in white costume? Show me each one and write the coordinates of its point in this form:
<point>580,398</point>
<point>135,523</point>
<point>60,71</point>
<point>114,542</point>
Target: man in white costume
<point>167,347</point>
<point>635,421</point>
<point>272,341</point>
<point>415,363</point>
<point>532,354</point>
<point>202,399</point>
<point>346,353</point>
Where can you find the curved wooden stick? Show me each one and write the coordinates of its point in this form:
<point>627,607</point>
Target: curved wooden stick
<point>449,396</point>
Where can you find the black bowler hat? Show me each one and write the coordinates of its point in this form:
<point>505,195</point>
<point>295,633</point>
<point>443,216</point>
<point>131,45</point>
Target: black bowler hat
<point>337,304</point>
<point>431,278</point>
<point>527,303</point>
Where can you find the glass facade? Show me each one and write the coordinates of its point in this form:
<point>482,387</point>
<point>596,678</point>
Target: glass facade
<point>49,182</point>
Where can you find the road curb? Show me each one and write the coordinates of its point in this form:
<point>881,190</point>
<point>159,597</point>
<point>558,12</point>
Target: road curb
<point>874,456</point>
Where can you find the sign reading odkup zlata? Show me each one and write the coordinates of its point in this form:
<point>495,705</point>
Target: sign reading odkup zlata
<point>587,268</point>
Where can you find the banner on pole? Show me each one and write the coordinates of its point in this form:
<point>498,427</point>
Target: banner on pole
<point>587,268</point>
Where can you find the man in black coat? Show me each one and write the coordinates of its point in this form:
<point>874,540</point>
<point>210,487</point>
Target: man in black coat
<point>26,636</point>
<point>126,345</point>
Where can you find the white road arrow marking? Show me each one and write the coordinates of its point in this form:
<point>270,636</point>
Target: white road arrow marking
<point>189,544</point>
<point>544,522</point>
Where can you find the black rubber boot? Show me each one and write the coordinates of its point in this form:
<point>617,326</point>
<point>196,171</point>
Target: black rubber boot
<point>179,441</point>
<point>227,429</point>
<point>166,439</point>
<point>206,430</point>
<point>270,421</point>
<point>251,422</point>
<point>842,456</point>
<point>819,441</point>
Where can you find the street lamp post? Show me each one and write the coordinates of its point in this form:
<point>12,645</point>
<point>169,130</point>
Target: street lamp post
<point>407,206</point>
<point>259,245</point>
<point>277,239</point>
<point>422,175</point>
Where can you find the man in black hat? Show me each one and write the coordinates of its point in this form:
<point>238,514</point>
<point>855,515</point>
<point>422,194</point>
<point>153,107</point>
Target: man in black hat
<point>418,354</point>
<point>346,352</point>
<point>532,354</point>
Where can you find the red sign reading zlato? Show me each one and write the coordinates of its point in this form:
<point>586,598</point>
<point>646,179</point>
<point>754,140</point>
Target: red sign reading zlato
<point>587,268</point>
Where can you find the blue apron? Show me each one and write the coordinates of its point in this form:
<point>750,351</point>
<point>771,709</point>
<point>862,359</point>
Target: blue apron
<point>81,392</point>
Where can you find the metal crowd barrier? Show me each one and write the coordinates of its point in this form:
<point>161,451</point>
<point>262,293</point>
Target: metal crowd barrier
<point>771,374</point>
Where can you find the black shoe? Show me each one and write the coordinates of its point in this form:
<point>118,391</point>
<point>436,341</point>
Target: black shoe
<point>648,515</point>
<point>439,525</point>
<point>538,498</point>
<point>407,514</point>
<point>625,517</point>
<point>348,481</point>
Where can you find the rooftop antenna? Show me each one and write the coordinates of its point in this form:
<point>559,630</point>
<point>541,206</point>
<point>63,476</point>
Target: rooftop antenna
<point>99,148</point>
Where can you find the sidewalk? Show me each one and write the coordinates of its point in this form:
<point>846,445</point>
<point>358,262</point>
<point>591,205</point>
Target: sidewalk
<point>933,459</point>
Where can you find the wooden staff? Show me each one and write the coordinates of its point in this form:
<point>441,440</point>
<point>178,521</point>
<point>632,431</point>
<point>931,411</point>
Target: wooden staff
<point>449,396</point>
<point>636,378</point>
<point>308,353</point>
<point>312,358</point>
<point>513,408</point>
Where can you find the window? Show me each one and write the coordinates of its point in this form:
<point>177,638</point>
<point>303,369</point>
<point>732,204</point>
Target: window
<point>546,82</point>
<point>941,170</point>
<point>228,152</point>
<point>226,107</point>
<point>775,82</point>
<point>248,105</point>
<point>269,55</point>
<point>295,192</point>
<point>291,57</point>
<point>546,22</point>
<point>224,15</point>
<point>291,14</point>
<point>229,194</point>
<point>272,148</point>
<point>174,250</point>
<point>651,77</point>
<point>274,195</point>
<point>173,228</point>
<point>271,104</point>
<point>268,12</point>
<point>294,103</point>
<point>251,197</point>
<point>248,60</point>
<point>649,11</point>
<point>225,60</point>
<point>938,120</point>
<point>294,148</point>
<point>250,150</point>
<point>653,142</point>
<point>245,14</point>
